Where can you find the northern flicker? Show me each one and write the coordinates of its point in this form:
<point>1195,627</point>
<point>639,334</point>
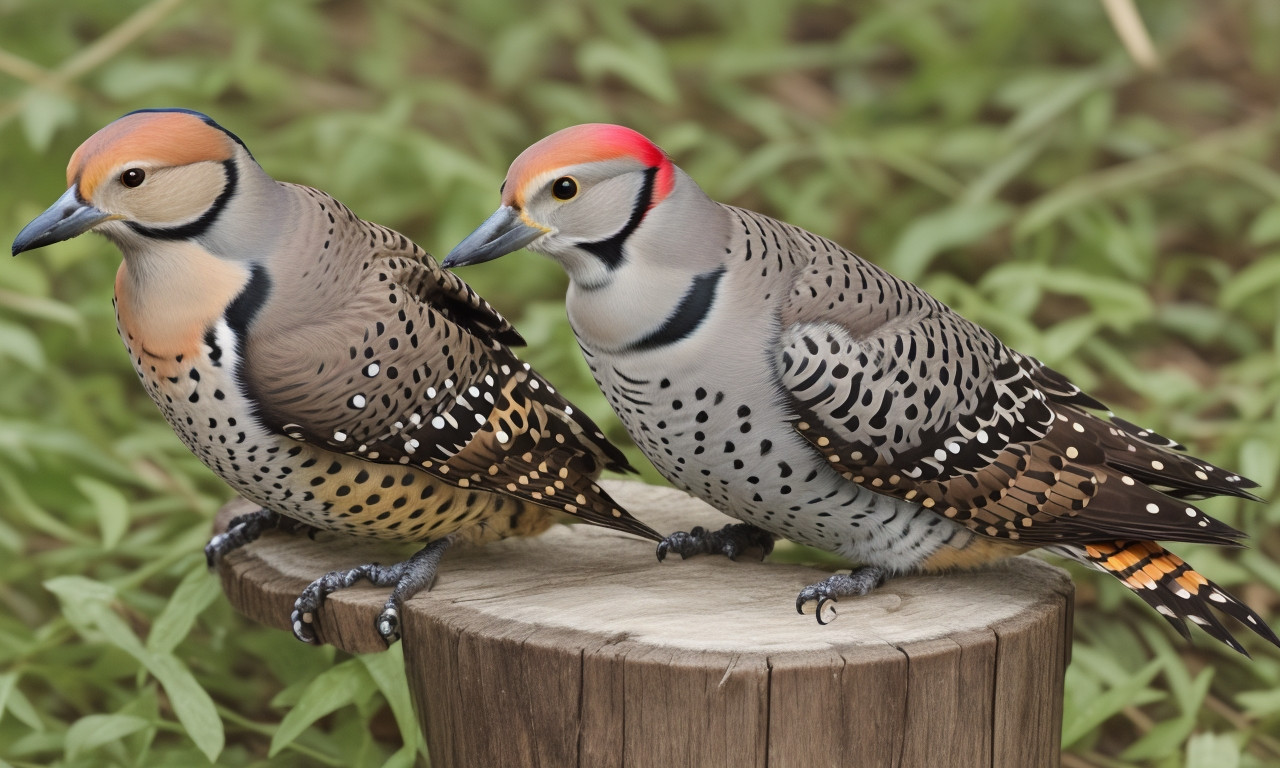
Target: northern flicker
<point>816,397</point>
<point>325,367</point>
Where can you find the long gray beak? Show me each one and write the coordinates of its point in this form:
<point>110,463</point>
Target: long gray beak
<point>500,234</point>
<point>65,219</point>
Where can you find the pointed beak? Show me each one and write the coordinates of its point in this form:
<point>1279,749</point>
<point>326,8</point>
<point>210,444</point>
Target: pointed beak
<point>65,219</point>
<point>503,232</point>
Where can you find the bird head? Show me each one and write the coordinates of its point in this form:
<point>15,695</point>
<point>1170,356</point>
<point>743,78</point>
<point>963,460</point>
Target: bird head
<point>578,195</point>
<point>151,175</point>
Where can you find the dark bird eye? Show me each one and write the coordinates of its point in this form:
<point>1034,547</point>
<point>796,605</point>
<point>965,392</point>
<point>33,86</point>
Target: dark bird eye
<point>564,188</point>
<point>132,177</point>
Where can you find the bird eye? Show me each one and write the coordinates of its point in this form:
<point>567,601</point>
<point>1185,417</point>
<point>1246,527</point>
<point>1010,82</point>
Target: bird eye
<point>132,177</point>
<point>564,188</point>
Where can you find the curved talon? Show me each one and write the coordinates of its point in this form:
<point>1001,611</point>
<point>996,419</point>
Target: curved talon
<point>730,541</point>
<point>408,578</point>
<point>213,550</point>
<point>860,581</point>
<point>389,624</point>
<point>246,528</point>
<point>301,622</point>
<point>822,606</point>
<point>684,544</point>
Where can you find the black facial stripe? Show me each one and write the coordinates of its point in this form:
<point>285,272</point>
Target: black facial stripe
<point>688,315</point>
<point>609,250</point>
<point>206,220</point>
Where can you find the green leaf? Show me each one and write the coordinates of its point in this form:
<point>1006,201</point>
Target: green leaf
<point>43,113</point>
<point>518,55</point>
<point>85,604</point>
<point>110,506</point>
<point>1212,750</point>
<point>1116,302</point>
<point>1001,172</point>
<point>8,683</point>
<point>952,227</point>
<point>1063,339</point>
<point>24,711</point>
<point>196,592</point>
<point>1259,276</point>
<point>1163,738</point>
<point>42,308</point>
<point>133,79</point>
<point>642,64</point>
<point>192,705</point>
<point>331,690</point>
<point>1127,691</point>
<point>1260,704</point>
<point>1259,458</point>
<point>1054,99</point>
<point>22,345</point>
<point>405,757</point>
<point>1266,227</point>
<point>1161,741</point>
<point>77,592</point>
<point>92,731</point>
<point>388,674</point>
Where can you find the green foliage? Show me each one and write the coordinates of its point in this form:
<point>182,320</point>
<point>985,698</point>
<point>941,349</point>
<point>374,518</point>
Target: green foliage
<point>1122,225</point>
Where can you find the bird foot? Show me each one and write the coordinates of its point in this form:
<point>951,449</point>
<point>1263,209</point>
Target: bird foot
<point>860,581</point>
<point>246,528</point>
<point>730,541</point>
<point>408,579</point>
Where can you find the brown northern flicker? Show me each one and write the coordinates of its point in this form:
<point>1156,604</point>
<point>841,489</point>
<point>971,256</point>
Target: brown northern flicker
<point>324,366</point>
<point>807,392</point>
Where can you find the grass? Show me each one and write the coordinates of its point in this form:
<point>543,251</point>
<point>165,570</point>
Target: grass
<point>1120,223</point>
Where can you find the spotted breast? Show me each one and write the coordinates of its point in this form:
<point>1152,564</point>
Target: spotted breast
<point>324,366</point>
<point>814,396</point>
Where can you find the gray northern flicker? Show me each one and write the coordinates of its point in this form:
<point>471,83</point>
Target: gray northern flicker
<point>324,366</point>
<point>814,396</point>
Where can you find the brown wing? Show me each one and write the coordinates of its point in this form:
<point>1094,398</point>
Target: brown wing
<point>909,399</point>
<point>409,366</point>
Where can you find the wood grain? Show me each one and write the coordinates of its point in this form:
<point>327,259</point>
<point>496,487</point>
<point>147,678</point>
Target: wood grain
<point>578,648</point>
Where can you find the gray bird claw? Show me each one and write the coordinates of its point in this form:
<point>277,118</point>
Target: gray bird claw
<point>305,609</point>
<point>242,530</point>
<point>247,528</point>
<point>408,578</point>
<point>730,541</point>
<point>389,622</point>
<point>860,581</point>
<point>303,618</point>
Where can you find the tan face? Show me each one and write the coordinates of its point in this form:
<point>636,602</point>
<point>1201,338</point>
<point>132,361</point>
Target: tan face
<point>150,170</point>
<point>167,196</point>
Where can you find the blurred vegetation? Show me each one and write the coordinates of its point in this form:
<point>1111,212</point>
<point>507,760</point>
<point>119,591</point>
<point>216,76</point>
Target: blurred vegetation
<point>1121,224</point>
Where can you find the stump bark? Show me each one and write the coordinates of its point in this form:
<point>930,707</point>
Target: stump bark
<point>577,648</point>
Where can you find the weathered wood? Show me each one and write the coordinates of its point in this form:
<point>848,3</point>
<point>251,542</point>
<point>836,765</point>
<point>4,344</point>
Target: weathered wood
<point>577,648</point>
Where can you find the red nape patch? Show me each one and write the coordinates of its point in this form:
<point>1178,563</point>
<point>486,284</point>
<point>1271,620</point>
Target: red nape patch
<point>588,143</point>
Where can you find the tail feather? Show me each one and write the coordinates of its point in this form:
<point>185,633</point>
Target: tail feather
<point>1171,586</point>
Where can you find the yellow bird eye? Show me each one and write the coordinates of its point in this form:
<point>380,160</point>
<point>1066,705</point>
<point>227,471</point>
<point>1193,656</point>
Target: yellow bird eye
<point>564,188</point>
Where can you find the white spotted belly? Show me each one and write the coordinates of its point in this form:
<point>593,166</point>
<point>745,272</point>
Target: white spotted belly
<point>726,440</point>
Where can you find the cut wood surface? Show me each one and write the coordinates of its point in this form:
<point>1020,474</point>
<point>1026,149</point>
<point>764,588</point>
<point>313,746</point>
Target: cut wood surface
<point>577,648</point>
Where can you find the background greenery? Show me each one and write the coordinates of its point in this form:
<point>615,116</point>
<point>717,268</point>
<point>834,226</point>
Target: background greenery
<point>1120,223</point>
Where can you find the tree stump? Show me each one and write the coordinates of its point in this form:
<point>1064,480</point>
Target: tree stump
<point>577,648</point>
